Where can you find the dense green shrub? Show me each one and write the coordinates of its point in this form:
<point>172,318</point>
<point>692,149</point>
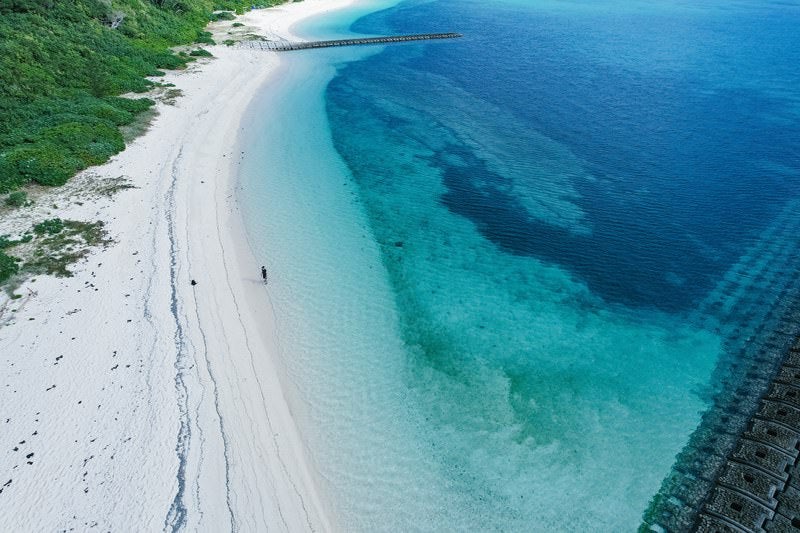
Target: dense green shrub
<point>17,199</point>
<point>44,163</point>
<point>8,265</point>
<point>204,37</point>
<point>63,65</point>
<point>200,53</point>
<point>8,242</point>
<point>51,227</point>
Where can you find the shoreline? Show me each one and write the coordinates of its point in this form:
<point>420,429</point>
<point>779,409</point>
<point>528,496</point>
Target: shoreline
<point>141,397</point>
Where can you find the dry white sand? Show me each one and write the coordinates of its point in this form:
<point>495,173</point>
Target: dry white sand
<point>130,399</point>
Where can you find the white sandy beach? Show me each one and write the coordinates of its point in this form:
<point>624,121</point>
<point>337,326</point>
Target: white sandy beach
<point>132,400</point>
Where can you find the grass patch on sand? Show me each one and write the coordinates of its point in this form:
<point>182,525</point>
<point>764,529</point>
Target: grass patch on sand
<point>50,247</point>
<point>138,126</point>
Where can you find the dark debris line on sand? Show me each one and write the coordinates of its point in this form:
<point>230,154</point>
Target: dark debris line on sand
<point>176,517</point>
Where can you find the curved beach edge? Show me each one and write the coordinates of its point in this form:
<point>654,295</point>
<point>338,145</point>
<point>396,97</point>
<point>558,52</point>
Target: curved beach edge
<point>145,391</point>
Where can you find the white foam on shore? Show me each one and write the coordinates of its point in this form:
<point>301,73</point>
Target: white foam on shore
<point>149,403</point>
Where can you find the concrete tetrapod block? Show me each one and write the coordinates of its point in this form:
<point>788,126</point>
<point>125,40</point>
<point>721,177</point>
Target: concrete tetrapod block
<point>743,511</point>
<point>712,524</point>
<point>701,462</point>
<point>774,434</point>
<point>788,374</point>
<point>783,392</point>
<point>760,455</point>
<point>687,488</point>
<point>756,483</point>
<point>794,476</point>
<point>674,516</point>
<point>789,504</point>
<point>781,524</point>
<point>793,357</point>
<point>780,413</point>
<point>725,422</point>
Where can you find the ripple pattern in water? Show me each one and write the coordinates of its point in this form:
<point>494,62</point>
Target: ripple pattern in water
<point>519,295</point>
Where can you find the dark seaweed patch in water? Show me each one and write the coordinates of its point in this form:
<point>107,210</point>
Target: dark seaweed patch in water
<point>676,136</point>
<point>624,267</point>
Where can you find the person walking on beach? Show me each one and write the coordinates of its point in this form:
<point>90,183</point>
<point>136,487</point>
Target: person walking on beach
<point>264,274</point>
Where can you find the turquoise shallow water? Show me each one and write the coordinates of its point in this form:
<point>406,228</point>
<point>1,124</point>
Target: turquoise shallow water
<point>508,283</point>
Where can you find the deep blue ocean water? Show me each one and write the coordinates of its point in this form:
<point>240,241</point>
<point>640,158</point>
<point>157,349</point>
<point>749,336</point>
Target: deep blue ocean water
<point>681,122</point>
<point>515,286</point>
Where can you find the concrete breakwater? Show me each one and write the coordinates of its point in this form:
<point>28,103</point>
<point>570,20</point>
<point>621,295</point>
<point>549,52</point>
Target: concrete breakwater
<point>740,470</point>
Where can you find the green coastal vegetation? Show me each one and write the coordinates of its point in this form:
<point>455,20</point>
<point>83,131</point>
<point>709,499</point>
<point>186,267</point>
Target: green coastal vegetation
<point>64,65</point>
<point>49,247</point>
